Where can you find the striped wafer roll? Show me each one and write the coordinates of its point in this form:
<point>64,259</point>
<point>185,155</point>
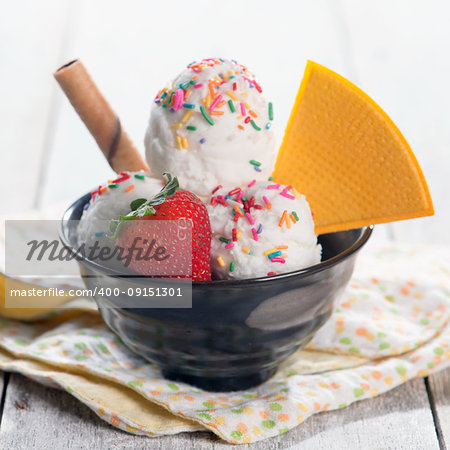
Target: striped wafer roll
<point>99,117</point>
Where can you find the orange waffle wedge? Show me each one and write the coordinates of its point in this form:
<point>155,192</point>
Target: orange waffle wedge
<point>343,152</point>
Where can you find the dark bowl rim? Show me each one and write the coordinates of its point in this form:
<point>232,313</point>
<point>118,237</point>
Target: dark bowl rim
<point>323,265</point>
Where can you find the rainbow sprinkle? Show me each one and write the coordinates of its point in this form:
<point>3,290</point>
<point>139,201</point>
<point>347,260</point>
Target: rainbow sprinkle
<point>270,111</point>
<point>205,116</point>
<point>221,88</point>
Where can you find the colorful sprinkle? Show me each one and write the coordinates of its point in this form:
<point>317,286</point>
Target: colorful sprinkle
<point>274,254</point>
<point>190,127</point>
<point>279,260</point>
<point>273,186</point>
<point>129,188</point>
<point>113,185</point>
<point>179,97</point>
<point>260,228</point>
<point>139,176</point>
<point>243,112</point>
<point>186,116</point>
<point>188,106</point>
<point>283,218</point>
<point>246,250</point>
<point>288,221</point>
<point>255,234</point>
<point>221,261</point>
<point>202,140</point>
<point>232,265</point>
<point>295,215</point>
<point>205,116</point>
<point>270,111</point>
<point>215,102</point>
<point>230,245</point>
<point>179,142</point>
<point>254,125</point>
<point>251,183</point>
<point>284,193</point>
<point>233,96</point>
<point>255,163</point>
<point>249,219</point>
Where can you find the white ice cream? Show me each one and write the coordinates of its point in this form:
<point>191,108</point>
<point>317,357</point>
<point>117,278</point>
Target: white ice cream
<point>208,155</point>
<point>245,258</point>
<point>113,202</point>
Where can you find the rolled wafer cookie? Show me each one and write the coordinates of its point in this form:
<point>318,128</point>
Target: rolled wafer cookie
<point>99,117</point>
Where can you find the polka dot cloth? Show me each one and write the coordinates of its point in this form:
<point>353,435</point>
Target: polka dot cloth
<point>392,322</point>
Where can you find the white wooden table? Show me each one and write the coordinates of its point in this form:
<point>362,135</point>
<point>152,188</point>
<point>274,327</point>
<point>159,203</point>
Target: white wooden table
<point>397,51</point>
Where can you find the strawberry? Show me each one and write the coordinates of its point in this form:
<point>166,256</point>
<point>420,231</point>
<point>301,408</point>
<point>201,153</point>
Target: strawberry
<point>170,204</point>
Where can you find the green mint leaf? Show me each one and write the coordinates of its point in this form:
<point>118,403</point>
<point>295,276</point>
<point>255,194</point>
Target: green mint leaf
<point>142,207</point>
<point>135,204</point>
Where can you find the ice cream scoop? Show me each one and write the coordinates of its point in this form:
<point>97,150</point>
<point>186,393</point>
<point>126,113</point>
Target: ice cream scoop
<point>211,125</point>
<point>111,200</point>
<point>260,229</point>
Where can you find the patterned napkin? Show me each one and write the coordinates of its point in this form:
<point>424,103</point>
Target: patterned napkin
<point>391,325</point>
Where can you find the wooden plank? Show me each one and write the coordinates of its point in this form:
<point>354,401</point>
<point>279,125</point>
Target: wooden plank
<point>31,36</point>
<point>39,417</point>
<point>398,51</point>
<point>2,384</point>
<point>439,385</point>
<point>399,419</point>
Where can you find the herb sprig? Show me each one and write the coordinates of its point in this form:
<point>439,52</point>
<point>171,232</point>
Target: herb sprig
<point>142,207</point>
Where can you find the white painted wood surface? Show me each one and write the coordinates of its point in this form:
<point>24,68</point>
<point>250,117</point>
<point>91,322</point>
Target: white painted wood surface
<point>440,393</point>
<point>401,419</point>
<point>396,51</point>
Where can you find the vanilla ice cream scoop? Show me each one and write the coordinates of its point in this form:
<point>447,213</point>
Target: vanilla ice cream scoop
<point>260,229</point>
<point>212,126</point>
<point>111,200</point>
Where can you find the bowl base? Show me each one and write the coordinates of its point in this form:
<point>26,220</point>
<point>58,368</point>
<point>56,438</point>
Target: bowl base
<point>221,384</point>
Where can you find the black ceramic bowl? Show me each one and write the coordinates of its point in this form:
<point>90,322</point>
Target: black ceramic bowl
<point>237,332</point>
